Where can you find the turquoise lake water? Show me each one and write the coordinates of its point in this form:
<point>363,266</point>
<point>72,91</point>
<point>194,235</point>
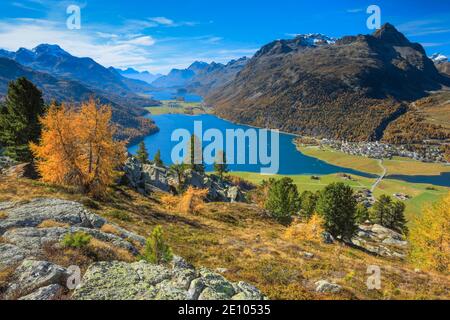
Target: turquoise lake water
<point>291,161</point>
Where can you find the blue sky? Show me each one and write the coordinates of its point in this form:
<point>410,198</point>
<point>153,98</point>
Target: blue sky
<point>159,35</point>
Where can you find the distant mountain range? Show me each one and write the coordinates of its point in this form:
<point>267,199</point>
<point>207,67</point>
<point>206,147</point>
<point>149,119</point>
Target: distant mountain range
<point>143,76</point>
<point>105,82</point>
<point>350,88</point>
<point>65,78</point>
<point>201,77</point>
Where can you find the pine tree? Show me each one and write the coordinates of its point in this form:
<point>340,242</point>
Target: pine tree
<point>283,200</point>
<point>156,250</point>
<point>308,203</point>
<point>19,119</point>
<point>362,213</point>
<point>178,170</point>
<point>142,153</point>
<point>196,155</point>
<point>157,159</point>
<point>220,166</point>
<point>381,210</point>
<point>389,214</point>
<point>337,205</point>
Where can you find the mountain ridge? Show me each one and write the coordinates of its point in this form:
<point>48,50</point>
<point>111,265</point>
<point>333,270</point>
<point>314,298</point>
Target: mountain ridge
<point>350,89</point>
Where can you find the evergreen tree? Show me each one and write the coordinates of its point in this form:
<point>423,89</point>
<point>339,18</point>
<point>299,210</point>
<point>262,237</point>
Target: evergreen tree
<point>220,166</point>
<point>362,213</point>
<point>390,214</point>
<point>157,159</point>
<point>142,153</point>
<point>396,220</point>
<point>156,250</point>
<point>381,209</point>
<point>337,205</point>
<point>308,203</point>
<point>19,119</point>
<point>178,170</point>
<point>196,155</point>
<point>283,200</point>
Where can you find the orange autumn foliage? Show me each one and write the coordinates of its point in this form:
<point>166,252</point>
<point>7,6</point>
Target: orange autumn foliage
<point>190,202</point>
<point>77,147</point>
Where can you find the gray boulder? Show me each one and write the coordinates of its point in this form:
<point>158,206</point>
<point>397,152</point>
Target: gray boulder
<point>145,281</point>
<point>324,286</point>
<point>33,213</point>
<point>11,255</point>
<point>32,275</point>
<point>51,292</point>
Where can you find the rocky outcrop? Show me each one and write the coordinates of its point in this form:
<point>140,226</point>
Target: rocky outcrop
<point>144,281</point>
<point>5,163</point>
<point>23,241</point>
<point>324,286</point>
<point>148,178</point>
<point>380,241</point>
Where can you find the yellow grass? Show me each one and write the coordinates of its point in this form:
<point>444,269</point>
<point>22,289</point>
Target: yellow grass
<point>109,228</point>
<point>52,224</point>
<point>3,215</point>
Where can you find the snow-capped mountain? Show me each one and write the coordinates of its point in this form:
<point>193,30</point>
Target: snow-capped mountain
<point>314,39</point>
<point>438,58</point>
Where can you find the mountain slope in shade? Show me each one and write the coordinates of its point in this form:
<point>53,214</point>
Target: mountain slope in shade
<point>351,89</point>
<point>54,60</point>
<point>127,116</point>
<point>136,75</point>
<point>215,76</point>
<point>202,77</point>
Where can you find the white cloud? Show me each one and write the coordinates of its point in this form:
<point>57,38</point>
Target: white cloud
<point>30,33</point>
<point>122,46</point>
<point>358,10</point>
<point>162,20</point>
<point>424,27</point>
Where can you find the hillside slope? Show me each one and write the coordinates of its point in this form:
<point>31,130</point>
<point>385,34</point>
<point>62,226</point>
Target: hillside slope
<point>351,89</point>
<point>245,244</point>
<point>125,114</point>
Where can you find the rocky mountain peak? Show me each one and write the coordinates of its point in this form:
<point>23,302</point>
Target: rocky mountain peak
<point>389,34</point>
<point>50,49</point>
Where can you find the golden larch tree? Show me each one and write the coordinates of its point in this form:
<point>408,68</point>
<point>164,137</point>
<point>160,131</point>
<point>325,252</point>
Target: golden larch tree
<point>77,147</point>
<point>430,237</point>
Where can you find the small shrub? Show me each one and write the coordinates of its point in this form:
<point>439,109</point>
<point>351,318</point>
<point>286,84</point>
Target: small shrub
<point>192,200</point>
<point>3,215</point>
<point>156,250</point>
<point>310,231</point>
<point>6,276</point>
<point>52,224</point>
<point>119,215</point>
<point>76,240</point>
<point>104,251</point>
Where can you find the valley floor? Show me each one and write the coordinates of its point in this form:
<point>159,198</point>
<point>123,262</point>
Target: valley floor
<point>248,246</point>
